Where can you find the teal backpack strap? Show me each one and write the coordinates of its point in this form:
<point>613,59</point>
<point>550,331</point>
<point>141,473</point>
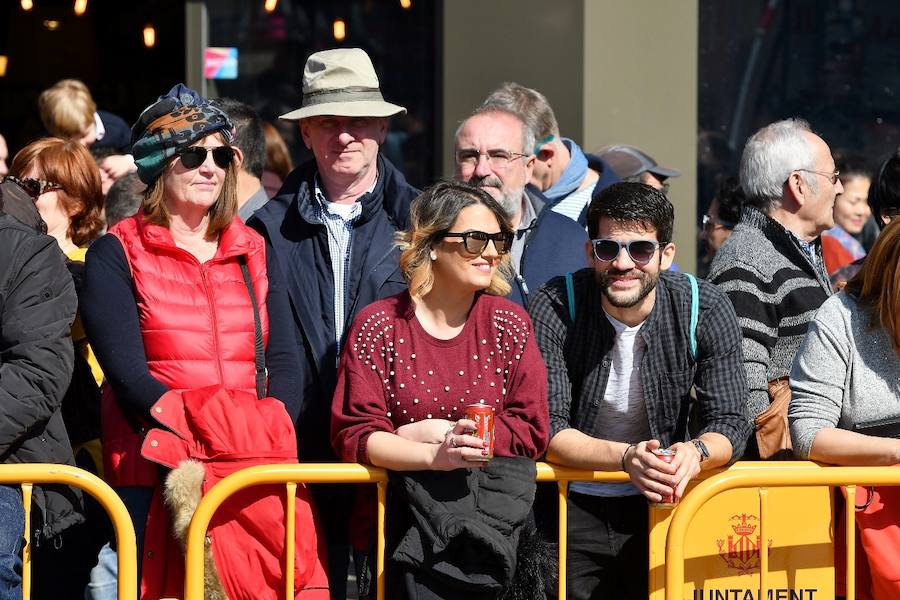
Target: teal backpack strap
<point>695,311</point>
<point>570,294</point>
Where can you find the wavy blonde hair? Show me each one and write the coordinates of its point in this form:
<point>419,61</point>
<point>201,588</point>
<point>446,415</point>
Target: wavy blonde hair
<point>876,285</point>
<point>432,214</point>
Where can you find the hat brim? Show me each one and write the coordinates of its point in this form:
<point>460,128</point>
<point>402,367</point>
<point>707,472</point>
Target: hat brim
<point>359,108</point>
<point>664,172</point>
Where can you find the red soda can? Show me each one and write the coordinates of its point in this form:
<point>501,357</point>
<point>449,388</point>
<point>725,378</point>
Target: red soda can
<point>667,456</point>
<point>483,415</point>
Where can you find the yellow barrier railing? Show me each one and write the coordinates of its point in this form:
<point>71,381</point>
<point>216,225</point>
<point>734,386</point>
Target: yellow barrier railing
<point>291,475</point>
<point>771,475</point>
<point>28,475</point>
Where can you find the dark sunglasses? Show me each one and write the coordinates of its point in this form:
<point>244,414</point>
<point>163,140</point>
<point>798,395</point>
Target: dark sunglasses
<point>640,251</point>
<point>33,187</point>
<point>476,241</point>
<point>195,156</point>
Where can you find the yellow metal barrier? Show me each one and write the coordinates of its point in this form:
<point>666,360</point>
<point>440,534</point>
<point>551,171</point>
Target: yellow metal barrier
<point>29,474</point>
<point>290,475</point>
<point>772,475</point>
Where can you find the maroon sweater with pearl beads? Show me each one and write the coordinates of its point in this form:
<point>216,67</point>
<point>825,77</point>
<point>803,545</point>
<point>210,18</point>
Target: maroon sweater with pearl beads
<point>393,372</point>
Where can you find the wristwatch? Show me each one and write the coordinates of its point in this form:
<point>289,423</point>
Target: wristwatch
<point>701,448</point>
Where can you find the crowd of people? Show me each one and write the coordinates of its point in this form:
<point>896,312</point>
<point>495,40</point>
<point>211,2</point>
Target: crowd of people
<point>178,302</point>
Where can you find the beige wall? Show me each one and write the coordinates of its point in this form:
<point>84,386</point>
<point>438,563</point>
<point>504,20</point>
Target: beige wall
<point>640,88</point>
<point>615,72</point>
<point>532,42</point>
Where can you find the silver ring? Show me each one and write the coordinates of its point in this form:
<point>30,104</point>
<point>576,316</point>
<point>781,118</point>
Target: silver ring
<point>453,441</point>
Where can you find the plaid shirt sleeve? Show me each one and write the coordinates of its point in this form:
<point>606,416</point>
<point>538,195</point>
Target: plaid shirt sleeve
<point>549,313</point>
<point>720,381</point>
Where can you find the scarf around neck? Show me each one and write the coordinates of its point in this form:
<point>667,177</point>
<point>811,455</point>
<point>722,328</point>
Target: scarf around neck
<point>572,175</point>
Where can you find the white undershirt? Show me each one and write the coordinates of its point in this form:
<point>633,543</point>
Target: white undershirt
<point>622,416</point>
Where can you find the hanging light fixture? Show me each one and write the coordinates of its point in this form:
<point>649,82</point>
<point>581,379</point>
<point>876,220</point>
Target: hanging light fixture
<point>405,4</point>
<point>80,7</point>
<point>26,4</point>
<point>270,5</point>
<point>149,36</point>
<point>4,60</point>
<point>339,28</point>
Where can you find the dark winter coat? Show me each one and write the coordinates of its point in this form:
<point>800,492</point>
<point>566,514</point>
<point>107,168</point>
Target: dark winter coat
<point>461,529</point>
<point>299,242</point>
<point>37,308</point>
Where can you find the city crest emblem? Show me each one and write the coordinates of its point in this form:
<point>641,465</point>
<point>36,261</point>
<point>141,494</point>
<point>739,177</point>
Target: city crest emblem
<point>740,550</point>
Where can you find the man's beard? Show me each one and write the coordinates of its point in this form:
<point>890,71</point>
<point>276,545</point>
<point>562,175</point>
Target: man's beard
<point>510,200</point>
<point>630,298</point>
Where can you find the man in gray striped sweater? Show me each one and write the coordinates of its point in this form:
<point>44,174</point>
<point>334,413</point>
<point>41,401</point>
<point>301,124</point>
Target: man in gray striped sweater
<point>771,267</point>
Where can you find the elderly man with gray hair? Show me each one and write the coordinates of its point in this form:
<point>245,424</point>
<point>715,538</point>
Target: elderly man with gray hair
<point>771,267</point>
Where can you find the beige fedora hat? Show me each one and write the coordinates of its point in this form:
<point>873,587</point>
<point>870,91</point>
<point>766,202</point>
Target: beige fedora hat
<point>341,82</point>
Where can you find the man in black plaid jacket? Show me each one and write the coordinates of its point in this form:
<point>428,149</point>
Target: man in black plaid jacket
<point>620,379</point>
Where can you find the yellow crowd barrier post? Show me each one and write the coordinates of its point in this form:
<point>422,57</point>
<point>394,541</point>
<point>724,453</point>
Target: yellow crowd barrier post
<point>36,474</point>
<point>562,476</point>
<point>767,476</point>
<point>850,517</point>
<point>273,474</point>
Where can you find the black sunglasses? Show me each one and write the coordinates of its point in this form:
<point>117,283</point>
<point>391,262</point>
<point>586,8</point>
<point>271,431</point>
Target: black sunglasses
<point>33,187</point>
<point>640,251</point>
<point>476,241</point>
<point>194,156</point>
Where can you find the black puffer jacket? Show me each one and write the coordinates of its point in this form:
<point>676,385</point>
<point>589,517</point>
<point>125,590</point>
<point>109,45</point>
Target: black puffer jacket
<point>37,307</point>
<point>461,529</point>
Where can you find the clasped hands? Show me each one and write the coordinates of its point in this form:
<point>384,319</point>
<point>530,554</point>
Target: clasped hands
<point>454,446</point>
<point>655,477</point>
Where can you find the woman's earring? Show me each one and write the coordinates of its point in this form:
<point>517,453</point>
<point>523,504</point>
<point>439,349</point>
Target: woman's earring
<point>433,255</point>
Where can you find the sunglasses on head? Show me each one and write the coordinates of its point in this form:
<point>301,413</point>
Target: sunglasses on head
<point>640,251</point>
<point>34,187</point>
<point>476,241</point>
<point>194,156</point>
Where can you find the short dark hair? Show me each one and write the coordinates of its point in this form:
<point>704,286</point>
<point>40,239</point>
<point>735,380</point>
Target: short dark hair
<point>731,199</point>
<point>248,134</point>
<point>124,198</point>
<point>884,193</point>
<point>630,202</point>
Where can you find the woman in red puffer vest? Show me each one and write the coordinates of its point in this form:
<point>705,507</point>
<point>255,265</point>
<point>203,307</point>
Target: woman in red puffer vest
<point>178,294</point>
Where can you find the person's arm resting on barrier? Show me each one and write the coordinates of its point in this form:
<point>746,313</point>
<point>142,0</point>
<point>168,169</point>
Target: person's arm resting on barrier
<point>721,389</point>
<point>818,379</point>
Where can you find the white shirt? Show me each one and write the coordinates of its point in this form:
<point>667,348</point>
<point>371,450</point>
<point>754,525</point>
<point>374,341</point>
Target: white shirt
<point>623,415</point>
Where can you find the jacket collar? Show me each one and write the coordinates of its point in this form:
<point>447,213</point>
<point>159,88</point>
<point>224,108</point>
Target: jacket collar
<point>236,240</point>
<point>382,196</point>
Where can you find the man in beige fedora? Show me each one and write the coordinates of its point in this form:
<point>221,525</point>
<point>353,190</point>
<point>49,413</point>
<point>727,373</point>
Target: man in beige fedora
<point>330,234</point>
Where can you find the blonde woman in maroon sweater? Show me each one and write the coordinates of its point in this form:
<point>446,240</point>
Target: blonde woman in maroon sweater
<point>413,362</point>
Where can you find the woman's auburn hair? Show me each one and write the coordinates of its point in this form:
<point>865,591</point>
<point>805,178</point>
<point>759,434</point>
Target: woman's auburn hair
<point>221,213</point>
<point>69,164</point>
<point>876,285</point>
<point>432,214</point>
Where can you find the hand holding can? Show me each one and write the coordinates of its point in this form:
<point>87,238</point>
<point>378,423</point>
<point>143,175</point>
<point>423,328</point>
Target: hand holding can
<point>667,456</point>
<point>483,415</point>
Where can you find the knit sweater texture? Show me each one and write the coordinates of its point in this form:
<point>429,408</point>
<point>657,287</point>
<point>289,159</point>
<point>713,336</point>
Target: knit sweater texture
<point>845,373</point>
<point>776,290</point>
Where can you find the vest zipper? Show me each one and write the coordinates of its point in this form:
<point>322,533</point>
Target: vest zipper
<point>215,324</point>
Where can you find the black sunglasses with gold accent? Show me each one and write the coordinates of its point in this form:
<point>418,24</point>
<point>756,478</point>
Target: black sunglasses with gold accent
<point>476,241</point>
<point>194,156</point>
<point>33,187</point>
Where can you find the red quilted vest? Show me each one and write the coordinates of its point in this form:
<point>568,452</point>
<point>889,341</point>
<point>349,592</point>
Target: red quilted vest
<point>196,323</point>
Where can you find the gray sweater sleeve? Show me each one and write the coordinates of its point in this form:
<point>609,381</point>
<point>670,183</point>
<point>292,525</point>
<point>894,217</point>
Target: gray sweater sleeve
<point>819,377</point>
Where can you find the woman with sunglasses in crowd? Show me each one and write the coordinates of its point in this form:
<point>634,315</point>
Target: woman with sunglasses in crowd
<point>184,316</point>
<point>63,180</point>
<point>410,366</point>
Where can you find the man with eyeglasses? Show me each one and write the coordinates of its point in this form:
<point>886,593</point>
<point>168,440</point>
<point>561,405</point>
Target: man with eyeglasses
<point>771,266</point>
<point>495,151</point>
<point>331,231</point>
<point>566,176</point>
<point>621,363</point>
